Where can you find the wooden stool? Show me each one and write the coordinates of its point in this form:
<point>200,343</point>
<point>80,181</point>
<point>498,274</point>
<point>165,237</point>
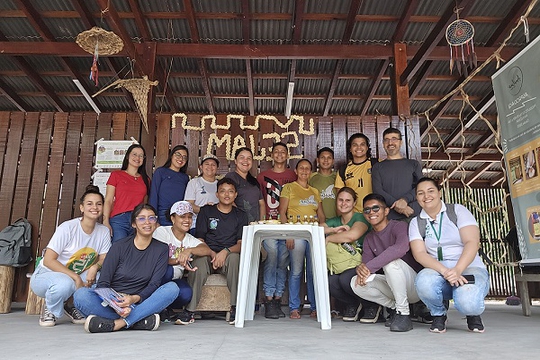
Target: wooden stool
<point>7,275</point>
<point>215,295</point>
<point>522,281</point>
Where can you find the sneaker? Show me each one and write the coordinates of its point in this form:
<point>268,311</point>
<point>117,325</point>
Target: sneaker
<point>390,318</point>
<point>438,325</point>
<point>46,319</point>
<point>232,316</point>
<point>401,323</point>
<point>96,324</point>
<point>74,314</point>
<point>280,312</point>
<point>185,317</point>
<point>371,315</point>
<point>167,315</point>
<point>350,313</point>
<point>474,323</point>
<point>420,313</point>
<point>149,323</point>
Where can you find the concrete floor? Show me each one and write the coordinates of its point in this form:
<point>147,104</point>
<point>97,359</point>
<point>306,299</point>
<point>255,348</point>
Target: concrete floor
<point>508,335</point>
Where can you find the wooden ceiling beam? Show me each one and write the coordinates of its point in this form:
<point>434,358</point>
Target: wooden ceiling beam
<point>476,174</point>
<point>194,31</point>
<point>246,21</point>
<point>140,20</point>
<point>421,78</point>
<point>508,22</point>
<point>433,39</point>
<point>35,19</point>
<point>404,20</point>
<point>374,86</point>
<point>12,96</point>
<point>84,13</point>
<point>345,39</point>
<point>332,89</point>
<point>500,179</point>
<point>226,51</point>
<point>297,21</point>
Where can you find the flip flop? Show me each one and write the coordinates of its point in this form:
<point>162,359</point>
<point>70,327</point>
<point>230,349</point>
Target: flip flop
<point>295,314</point>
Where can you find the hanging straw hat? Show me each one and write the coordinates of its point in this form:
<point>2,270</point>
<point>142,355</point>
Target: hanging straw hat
<point>108,43</point>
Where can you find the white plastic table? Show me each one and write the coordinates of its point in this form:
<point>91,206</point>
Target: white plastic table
<point>252,238</point>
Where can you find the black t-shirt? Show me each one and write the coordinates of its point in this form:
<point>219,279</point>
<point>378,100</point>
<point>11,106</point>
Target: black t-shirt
<point>220,230</point>
<point>129,270</point>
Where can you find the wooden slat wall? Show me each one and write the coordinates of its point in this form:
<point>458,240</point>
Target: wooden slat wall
<point>46,159</point>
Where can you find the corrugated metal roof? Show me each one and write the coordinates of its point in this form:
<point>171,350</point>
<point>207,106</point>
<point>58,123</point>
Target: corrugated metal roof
<point>8,5</point>
<point>312,86</point>
<point>212,6</point>
<point>315,66</point>
<point>377,7</point>
<point>19,83</point>
<point>265,6</point>
<point>162,6</point>
<point>226,66</point>
<point>269,86</point>
<point>191,105</point>
<point>18,29</point>
<point>230,106</point>
<point>271,32</point>
<point>228,86</point>
<point>380,107</point>
<point>45,63</point>
<point>327,7</point>
<point>307,106</point>
<point>185,85</point>
<point>372,32</point>
<point>353,87</point>
<point>38,103</point>
<point>65,29</point>
<point>220,31</point>
<point>270,66</point>
<point>346,107</point>
<point>322,32</point>
<point>51,5</point>
<point>269,106</point>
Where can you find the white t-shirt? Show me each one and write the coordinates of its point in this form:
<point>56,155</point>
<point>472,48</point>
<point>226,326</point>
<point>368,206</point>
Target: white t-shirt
<point>450,240</point>
<point>201,192</point>
<point>165,235</point>
<point>76,249</point>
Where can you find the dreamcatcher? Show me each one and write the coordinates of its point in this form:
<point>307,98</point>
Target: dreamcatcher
<point>459,35</point>
<point>98,41</point>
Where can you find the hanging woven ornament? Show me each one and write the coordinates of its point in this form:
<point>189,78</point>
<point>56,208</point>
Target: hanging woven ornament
<point>460,37</point>
<point>139,88</point>
<point>98,41</point>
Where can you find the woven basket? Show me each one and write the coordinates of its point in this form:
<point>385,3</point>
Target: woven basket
<point>108,42</point>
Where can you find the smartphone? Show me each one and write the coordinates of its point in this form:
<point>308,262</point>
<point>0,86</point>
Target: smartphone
<point>469,278</point>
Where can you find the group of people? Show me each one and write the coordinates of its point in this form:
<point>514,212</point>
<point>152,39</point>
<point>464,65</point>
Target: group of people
<point>413,246</point>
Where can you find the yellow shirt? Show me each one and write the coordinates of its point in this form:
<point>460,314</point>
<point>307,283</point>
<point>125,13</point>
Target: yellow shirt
<point>302,201</point>
<point>358,178</point>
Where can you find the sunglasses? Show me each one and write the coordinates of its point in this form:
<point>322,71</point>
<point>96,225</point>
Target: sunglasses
<point>142,219</point>
<point>374,208</point>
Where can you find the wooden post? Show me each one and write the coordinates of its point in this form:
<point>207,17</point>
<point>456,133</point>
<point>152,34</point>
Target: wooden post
<point>7,275</point>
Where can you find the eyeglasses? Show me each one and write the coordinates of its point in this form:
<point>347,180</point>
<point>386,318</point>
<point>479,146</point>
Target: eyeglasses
<point>179,155</point>
<point>150,219</point>
<point>394,139</point>
<point>374,208</point>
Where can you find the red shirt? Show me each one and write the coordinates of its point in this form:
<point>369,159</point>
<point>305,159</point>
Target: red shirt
<point>129,191</point>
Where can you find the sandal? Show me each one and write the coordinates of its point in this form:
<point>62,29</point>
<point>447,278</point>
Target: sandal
<point>294,314</point>
<point>313,314</point>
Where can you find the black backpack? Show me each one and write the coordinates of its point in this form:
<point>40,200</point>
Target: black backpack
<point>451,213</point>
<point>16,244</point>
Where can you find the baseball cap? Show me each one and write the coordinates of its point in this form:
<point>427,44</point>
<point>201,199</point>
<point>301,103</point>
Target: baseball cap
<point>210,156</point>
<point>181,208</point>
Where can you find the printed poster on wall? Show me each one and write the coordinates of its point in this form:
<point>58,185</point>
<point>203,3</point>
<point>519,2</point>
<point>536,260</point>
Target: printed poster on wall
<point>517,92</point>
<point>110,153</point>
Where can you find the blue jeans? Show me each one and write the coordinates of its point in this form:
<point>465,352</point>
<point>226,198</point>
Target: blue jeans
<point>275,267</point>
<point>121,226</point>
<point>433,289</point>
<point>89,303</point>
<point>55,287</point>
<point>185,294</point>
<point>301,250</point>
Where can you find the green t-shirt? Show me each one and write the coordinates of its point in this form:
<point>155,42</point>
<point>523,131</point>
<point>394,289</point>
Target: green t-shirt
<point>336,221</point>
<point>325,185</point>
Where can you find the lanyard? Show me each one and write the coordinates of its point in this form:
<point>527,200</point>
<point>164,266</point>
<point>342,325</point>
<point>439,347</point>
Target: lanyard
<point>438,237</point>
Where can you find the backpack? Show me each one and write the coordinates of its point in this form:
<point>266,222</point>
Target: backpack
<point>340,258</point>
<point>451,213</point>
<point>16,244</point>
<point>343,168</point>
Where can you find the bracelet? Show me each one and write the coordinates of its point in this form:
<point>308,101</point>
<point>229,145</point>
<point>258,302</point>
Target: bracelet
<point>228,250</point>
<point>99,266</point>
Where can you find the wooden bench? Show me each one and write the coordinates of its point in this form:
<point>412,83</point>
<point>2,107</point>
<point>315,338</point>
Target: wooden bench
<point>522,281</point>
